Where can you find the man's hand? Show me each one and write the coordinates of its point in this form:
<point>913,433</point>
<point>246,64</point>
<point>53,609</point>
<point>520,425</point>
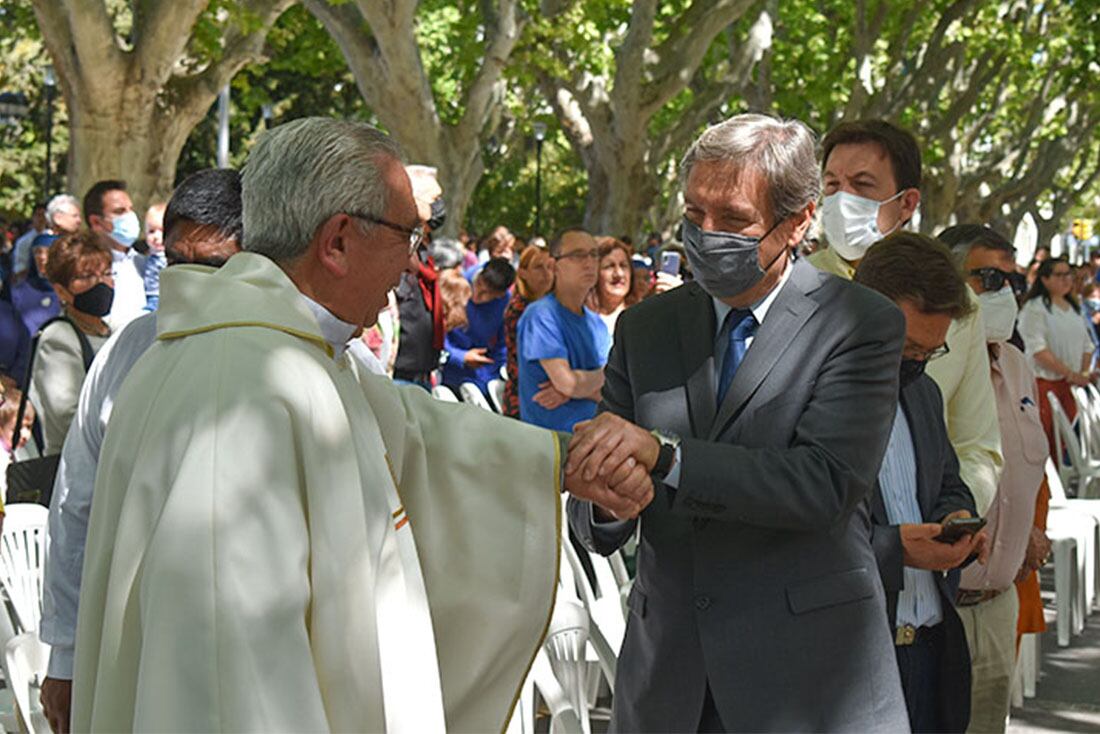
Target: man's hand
<point>549,397</point>
<point>666,282</point>
<point>1078,379</point>
<point>600,448</point>
<point>57,697</point>
<point>1038,550</point>
<point>476,358</point>
<point>919,550</point>
<point>625,500</point>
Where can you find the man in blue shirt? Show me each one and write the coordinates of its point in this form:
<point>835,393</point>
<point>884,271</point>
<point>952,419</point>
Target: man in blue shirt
<point>563,345</point>
<point>476,352</point>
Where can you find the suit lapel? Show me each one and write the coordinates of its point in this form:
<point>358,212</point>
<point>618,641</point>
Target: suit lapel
<point>913,407</point>
<point>697,328</point>
<point>786,317</point>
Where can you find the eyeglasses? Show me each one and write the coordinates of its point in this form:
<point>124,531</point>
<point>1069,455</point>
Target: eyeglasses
<point>1063,274</point>
<point>415,235</point>
<point>593,254</point>
<point>993,279</point>
<point>924,355</point>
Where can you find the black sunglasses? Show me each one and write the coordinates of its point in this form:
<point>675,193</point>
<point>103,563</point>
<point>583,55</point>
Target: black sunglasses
<point>993,279</point>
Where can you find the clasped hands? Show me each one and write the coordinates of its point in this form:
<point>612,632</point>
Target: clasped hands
<point>609,464</point>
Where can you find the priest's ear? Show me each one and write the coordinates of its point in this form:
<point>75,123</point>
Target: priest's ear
<point>334,241</point>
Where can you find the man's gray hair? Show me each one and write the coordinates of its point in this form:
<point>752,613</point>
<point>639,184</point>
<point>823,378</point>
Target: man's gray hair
<point>59,202</point>
<point>783,151</point>
<point>303,172</point>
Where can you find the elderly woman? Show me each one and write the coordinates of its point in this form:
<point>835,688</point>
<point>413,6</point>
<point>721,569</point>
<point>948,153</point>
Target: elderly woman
<point>615,286</point>
<point>79,268</point>
<point>534,278</point>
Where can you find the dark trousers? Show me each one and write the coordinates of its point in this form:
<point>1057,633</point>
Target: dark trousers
<point>709,720</point>
<point>919,665</point>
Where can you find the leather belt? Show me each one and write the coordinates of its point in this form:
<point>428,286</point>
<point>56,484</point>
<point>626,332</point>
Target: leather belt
<point>907,634</point>
<point>971,597</point>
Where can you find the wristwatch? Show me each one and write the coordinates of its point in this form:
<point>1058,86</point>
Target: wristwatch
<point>666,455</point>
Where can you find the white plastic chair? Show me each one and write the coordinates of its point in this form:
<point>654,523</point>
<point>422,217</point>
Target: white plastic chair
<point>441,392</point>
<point>472,394</point>
<point>1066,583</point>
<point>496,395</point>
<point>25,659</point>
<point>1082,518</point>
<point>566,646</point>
<point>541,683</point>
<point>22,558</point>
<point>1082,470</point>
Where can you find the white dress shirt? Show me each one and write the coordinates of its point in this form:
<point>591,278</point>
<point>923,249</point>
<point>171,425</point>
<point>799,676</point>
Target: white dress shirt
<point>918,600</point>
<point>128,268</point>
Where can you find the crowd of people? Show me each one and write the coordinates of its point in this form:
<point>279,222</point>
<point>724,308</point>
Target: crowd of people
<point>847,481</point>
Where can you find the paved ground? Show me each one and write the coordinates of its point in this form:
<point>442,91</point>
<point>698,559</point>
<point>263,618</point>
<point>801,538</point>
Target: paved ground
<point>1068,695</point>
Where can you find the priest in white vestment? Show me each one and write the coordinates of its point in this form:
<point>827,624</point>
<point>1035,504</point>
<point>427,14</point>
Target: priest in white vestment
<point>279,540</point>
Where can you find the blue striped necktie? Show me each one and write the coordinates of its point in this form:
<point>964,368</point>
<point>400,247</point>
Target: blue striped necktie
<point>742,327</point>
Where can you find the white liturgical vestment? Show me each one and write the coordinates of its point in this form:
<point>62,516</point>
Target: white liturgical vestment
<point>280,541</point>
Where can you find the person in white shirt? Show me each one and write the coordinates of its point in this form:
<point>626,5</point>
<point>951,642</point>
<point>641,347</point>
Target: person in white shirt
<point>1056,339</point>
<point>108,209</point>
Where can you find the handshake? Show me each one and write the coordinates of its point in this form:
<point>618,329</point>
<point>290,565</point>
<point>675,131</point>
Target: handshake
<point>609,464</point>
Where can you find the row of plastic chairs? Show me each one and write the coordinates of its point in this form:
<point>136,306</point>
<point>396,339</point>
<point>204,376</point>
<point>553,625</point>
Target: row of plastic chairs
<point>471,393</point>
<point>1077,452</point>
<point>22,561</point>
<point>1073,526</point>
<point>577,664</point>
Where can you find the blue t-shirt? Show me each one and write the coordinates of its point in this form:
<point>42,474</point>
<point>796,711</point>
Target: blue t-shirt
<point>548,330</point>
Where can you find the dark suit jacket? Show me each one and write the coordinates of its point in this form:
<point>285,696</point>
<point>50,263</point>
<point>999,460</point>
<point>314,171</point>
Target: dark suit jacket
<point>940,492</point>
<point>756,576</point>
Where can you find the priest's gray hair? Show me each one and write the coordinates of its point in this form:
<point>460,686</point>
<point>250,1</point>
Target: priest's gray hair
<point>783,151</point>
<point>301,173</point>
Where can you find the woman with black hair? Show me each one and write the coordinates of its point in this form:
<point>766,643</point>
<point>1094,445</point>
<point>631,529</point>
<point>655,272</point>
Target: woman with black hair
<point>1056,339</point>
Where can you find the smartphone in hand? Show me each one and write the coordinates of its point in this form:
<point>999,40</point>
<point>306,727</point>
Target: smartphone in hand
<point>670,262</point>
<point>957,527</point>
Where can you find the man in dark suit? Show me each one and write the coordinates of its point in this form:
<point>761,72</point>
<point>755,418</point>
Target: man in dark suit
<point>919,487</point>
<point>758,604</point>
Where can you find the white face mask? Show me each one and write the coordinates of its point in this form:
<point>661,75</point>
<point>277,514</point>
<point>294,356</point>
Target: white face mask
<point>998,313</point>
<point>851,223</point>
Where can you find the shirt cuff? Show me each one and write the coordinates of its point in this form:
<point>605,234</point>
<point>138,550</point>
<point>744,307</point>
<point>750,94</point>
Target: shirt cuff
<point>607,525</point>
<point>672,479</point>
<point>61,663</point>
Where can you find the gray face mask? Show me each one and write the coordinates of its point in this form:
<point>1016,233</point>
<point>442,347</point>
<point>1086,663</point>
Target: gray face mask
<point>725,264</point>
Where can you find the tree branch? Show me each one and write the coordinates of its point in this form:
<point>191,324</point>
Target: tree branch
<point>681,53</point>
<point>483,93</point>
<point>159,35</point>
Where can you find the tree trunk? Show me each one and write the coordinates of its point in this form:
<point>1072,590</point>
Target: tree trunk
<point>131,109</point>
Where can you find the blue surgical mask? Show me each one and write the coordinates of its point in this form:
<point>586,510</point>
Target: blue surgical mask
<point>126,229</point>
<point>725,264</point>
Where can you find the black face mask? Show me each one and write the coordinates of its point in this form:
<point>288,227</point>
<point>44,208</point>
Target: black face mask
<point>439,214</point>
<point>96,301</point>
<point>910,370</point>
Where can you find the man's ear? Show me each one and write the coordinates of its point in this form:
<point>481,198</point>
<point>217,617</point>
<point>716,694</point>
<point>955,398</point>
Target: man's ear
<point>96,223</point>
<point>802,222</point>
<point>332,243</point>
<point>910,200</point>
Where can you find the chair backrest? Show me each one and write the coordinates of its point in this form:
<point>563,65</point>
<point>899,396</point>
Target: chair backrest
<point>22,559</point>
<point>472,394</point>
<point>565,645</point>
<point>1054,482</point>
<point>25,659</point>
<point>1086,420</point>
<point>440,392</point>
<point>1065,440</point>
<point>496,395</point>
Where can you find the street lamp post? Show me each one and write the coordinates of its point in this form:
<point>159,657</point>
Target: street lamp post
<point>540,135</point>
<point>51,88</point>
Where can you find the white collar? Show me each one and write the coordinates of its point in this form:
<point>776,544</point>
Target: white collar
<point>336,333</point>
<point>760,308</point>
